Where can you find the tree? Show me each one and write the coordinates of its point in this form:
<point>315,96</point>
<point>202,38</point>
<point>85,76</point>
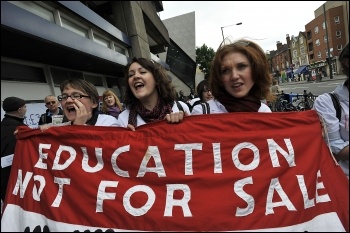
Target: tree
<point>204,57</point>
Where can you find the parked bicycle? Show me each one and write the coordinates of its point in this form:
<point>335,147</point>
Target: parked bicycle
<point>307,102</point>
<point>283,103</point>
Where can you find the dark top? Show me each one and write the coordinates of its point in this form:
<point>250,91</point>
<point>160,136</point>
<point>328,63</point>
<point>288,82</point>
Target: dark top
<point>8,144</point>
<point>46,118</point>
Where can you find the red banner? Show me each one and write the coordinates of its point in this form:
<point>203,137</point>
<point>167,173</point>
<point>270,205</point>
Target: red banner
<point>219,172</point>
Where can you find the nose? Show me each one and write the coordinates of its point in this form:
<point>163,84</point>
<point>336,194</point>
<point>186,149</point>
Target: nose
<point>137,75</point>
<point>69,98</point>
<point>234,74</point>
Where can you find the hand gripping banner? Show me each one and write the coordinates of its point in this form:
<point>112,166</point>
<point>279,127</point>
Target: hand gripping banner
<point>219,172</point>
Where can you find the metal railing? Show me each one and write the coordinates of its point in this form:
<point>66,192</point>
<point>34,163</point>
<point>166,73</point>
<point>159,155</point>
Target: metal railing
<point>293,102</point>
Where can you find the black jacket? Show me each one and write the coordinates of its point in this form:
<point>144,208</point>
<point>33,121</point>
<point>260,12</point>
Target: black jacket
<point>45,119</point>
<point>8,144</point>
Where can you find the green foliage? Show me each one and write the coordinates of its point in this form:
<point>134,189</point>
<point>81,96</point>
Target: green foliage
<point>204,57</point>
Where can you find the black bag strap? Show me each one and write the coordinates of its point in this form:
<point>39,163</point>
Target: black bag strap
<point>336,104</point>
<point>179,106</point>
<point>206,108</point>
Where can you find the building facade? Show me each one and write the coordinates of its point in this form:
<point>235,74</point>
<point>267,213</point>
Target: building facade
<point>181,54</point>
<point>326,37</point>
<point>46,42</point>
<point>326,34</point>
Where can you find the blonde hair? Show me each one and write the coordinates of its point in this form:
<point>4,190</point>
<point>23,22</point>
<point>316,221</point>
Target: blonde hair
<point>104,107</point>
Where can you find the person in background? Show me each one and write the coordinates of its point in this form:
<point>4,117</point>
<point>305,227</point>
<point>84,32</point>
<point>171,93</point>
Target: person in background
<point>239,78</point>
<point>337,130</point>
<point>182,97</point>
<point>15,110</point>
<point>111,104</point>
<point>275,90</point>
<point>149,95</point>
<point>204,93</point>
<point>53,109</point>
<point>192,95</point>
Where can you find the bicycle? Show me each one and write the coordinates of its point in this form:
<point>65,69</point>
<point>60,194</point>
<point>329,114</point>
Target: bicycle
<point>283,105</point>
<point>307,101</point>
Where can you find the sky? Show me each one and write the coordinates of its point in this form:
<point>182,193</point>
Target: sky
<point>264,22</point>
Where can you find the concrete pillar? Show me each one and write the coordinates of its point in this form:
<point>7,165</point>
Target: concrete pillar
<point>136,29</point>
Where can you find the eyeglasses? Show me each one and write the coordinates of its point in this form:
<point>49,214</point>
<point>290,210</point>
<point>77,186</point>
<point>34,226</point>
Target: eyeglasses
<point>50,102</point>
<point>207,91</point>
<point>72,96</point>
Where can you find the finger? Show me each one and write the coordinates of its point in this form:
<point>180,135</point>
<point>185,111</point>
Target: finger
<point>181,115</point>
<point>131,127</point>
<point>178,116</point>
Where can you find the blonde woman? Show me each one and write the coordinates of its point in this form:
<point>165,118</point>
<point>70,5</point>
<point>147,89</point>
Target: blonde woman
<point>111,104</point>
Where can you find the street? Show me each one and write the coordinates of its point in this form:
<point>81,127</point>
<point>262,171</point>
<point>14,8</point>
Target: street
<point>316,88</point>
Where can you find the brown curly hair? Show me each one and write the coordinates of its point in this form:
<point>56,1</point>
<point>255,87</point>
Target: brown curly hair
<point>260,69</point>
<point>166,90</point>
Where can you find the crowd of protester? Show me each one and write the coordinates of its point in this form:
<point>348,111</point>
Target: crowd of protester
<point>238,82</point>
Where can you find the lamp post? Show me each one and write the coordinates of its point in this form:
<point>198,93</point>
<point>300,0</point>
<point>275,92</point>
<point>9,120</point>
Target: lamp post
<point>223,38</point>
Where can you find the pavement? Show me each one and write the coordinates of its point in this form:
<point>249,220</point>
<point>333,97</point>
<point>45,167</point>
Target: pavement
<point>324,79</point>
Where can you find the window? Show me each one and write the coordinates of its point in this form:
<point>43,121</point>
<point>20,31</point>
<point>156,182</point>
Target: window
<point>326,52</point>
<point>293,44</point>
<point>120,49</point>
<point>68,24</point>
<point>101,40</point>
<point>316,29</point>
<point>302,50</point>
<point>94,79</point>
<point>22,73</point>
<point>318,42</point>
<point>325,39</point>
<point>35,9</point>
<point>338,34</point>
<point>319,54</point>
<point>339,47</point>
<point>324,25</point>
<point>336,20</point>
<point>295,53</point>
<point>59,75</point>
<point>301,40</point>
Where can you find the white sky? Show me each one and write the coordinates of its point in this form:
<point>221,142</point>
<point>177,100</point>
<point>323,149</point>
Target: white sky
<point>264,22</point>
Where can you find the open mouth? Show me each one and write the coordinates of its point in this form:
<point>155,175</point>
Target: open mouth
<point>70,109</point>
<point>236,85</point>
<point>138,85</point>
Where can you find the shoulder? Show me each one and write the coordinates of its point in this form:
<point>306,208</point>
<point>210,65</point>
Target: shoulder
<point>264,108</point>
<point>106,120</point>
<point>323,99</point>
<point>184,107</point>
<point>216,106</point>
<point>123,118</point>
<point>342,92</point>
<point>197,109</point>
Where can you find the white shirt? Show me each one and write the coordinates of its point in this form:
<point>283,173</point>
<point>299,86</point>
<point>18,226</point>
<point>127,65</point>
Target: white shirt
<point>338,131</point>
<point>106,120</point>
<point>123,117</point>
<point>102,120</point>
<point>217,107</point>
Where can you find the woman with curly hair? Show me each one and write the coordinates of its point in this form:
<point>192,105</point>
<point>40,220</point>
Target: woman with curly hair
<point>239,78</point>
<point>149,95</point>
<point>111,104</point>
